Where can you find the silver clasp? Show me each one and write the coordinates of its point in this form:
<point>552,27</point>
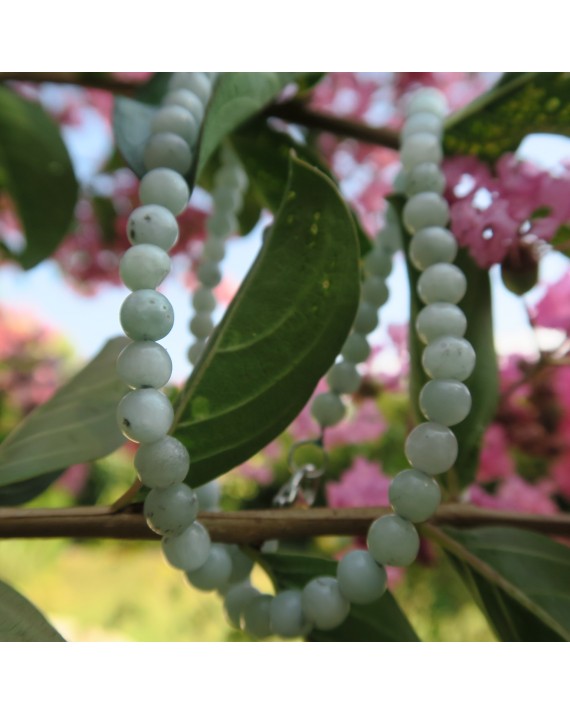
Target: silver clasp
<point>304,482</point>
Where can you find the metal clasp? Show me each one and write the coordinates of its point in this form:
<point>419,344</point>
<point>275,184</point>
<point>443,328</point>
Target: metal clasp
<point>303,485</point>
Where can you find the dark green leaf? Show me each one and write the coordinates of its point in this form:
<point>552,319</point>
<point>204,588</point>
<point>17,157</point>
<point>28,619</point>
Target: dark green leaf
<point>382,621</point>
<point>77,424</point>
<point>37,173</point>
<point>520,579</point>
<point>561,240</point>
<point>131,125</point>
<point>496,122</point>
<point>20,621</point>
<point>483,383</point>
<point>14,494</point>
<point>281,332</point>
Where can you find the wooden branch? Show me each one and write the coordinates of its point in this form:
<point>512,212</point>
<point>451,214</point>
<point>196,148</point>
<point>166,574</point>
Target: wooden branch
<point>252,527</point>
<point>93,80</point>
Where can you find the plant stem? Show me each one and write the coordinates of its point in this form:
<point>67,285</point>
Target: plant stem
<point>251,527</point>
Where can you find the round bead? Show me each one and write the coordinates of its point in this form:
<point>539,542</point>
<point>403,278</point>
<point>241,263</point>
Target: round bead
<point>356,348</point>
<point>235,601</point>
<point>366,319</point>
<point>393,541</point>
<point>208,496</point>
<point>227,199</point>
<point>343,378</point>
<point>323,603</point>
<point>256,618</point>
<point>286,614</point>
<point>445,401</point>
<point>414,495</point>
<point>215,572</point>
<point>360,579</point>
<point>162,463</point>
<point>187,99</point>
<point>167,150</point>
<point>165,187</point>
<point>442,283</point>
<point>432,245</point>
<point>176,120</point>
<point>427,99</point>
<point>378,262</point>
<point>169,511</point>
<point>146,315</point>
<point>424,210</point>
<point>440,319</point>
<point>449,358</point>
<point>189,550</point>
<point>204,300</point>
<point>431,448</point>
<point>214,250</point>
<point>196,350</point>
<point>221,225</point>
<point>145,415</point>
<point>232,176</point>
<point>374,291</point>
<point>328,409</point>
<point>422,123</point>
<point>425,178</point>
<point>201,325</point>
<point>144,266</point>
<point>144,364</point>
<point>242,564</point>
<point>153,224</point>
<point>420,148</point>
<point>197,82</point>
<point>209,274</point>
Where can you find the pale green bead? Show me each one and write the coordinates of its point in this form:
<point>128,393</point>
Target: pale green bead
<point>146,315</point>
<point>196,350</point>
<point>189,100</point>
<point>432,245</point>
<point>445,401</point>
<point>144,364</point>
<point>209,274</point>
<point>424,210</point>
<point>414,495</point>
<point>153,224</point>
<point>204,300</point>
<point>169,511</point>
<point>427,99</point>
<point>378,262</point>
<point>201,325</point>
<point>242,564</point>
<point>440,319</point>
<point>449,358</point>
<point>286,614</point>
<point>431,448</point>
<point>227,199</point>
<point>366,319</point>
<point>393,541</point>
<point>236,599</point>
<point>197,82</point>
<point>221,225</point>
<point>189,550</point>
<point>420,148</point>
<point>356,348</point>
<point>214,249</point>
<point>215,572</point>
<point>374,291</point>
<point>162,463</point>
<point>323,603</point>
<point>328,409</point>
<point>256,616</point>
<point>343,378</point>
<point>360,579</point>
<point>176,120</point>
<point>425,178</point>
<point>144,266</point>
<point>390,237</point>
<point>145,415</point>
<point>232,176</point>
<point>165,187</point>
<point>209,496</point>
<point>424,123</point>
<point>169,151</point>
<point>442,282</point>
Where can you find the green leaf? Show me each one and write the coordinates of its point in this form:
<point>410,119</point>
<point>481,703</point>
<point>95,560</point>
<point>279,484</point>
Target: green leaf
<point>519,579</point>
<point>37,173</point>
<point>382,621</point>
<point>483,383</point>
<point>522,104</point>
<point>20,621</point>
<point>281,332</point>
<point>561,240</point>
<point>14,494</point>
<point>77,424</point>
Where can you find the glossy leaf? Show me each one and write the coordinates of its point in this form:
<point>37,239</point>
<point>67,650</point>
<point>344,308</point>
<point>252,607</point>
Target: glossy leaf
<point>382,621</point>
<point>20,621</point>
<point>496,122</point>
<point>281,332</point>
<point>37,173</point>
<point>77,424</point>
<point>519,579</point>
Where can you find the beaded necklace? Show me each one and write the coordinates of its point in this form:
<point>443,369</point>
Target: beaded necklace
<point>145,414</point>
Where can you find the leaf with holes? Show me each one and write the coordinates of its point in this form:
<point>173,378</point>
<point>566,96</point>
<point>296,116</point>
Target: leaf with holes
<point>20,621</point>
<point>280,334</point>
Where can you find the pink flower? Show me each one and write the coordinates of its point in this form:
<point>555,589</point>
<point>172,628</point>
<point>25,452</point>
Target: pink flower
<point>464,175</point>
<point>367,424</point>
<point>554,308</point>
<point>495,462</point>
<point>363,484</point>
<point>516,494</point>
